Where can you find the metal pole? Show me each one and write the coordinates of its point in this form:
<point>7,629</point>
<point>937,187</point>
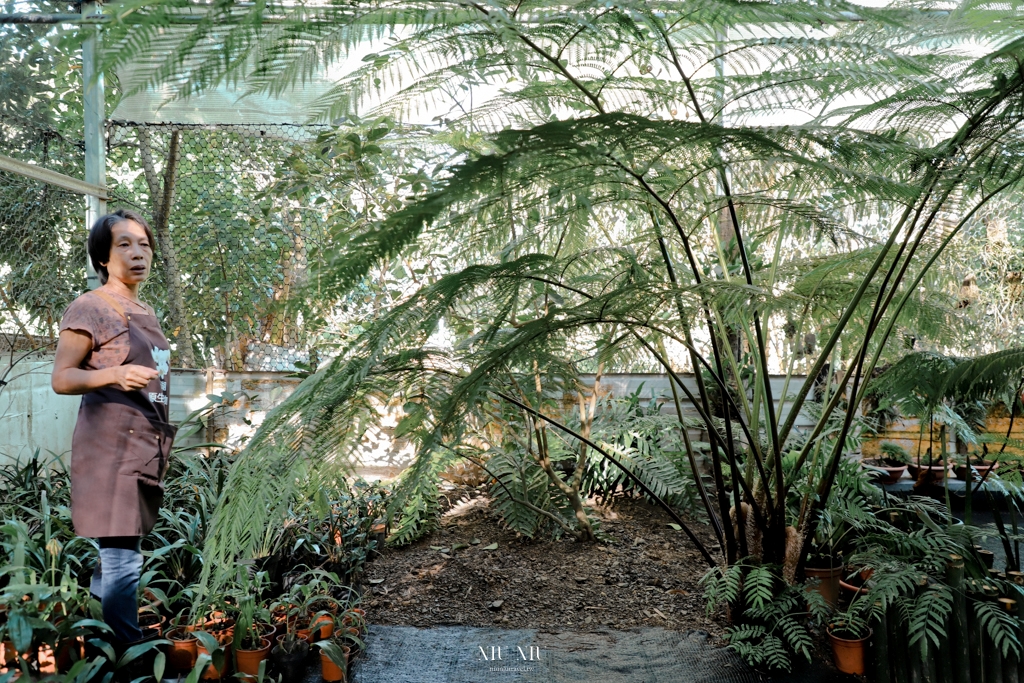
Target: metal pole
<point>95,118</point>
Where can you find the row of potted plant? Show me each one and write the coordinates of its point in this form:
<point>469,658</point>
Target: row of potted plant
<point>894,460</point>
<point>907,565</point>
<point>60,627</point>
<point>245,632</point>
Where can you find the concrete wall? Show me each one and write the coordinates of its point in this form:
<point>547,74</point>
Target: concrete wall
<point>621,385</point>
<point>32,416</point>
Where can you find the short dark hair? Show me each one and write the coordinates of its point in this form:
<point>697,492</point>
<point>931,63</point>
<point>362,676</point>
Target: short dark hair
<point>101,237</point>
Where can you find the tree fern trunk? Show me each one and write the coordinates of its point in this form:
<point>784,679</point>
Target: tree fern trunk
<point>162,198</point>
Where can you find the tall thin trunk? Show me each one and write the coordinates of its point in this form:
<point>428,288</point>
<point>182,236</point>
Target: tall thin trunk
<point>162,195</point>
<point>571,492</point>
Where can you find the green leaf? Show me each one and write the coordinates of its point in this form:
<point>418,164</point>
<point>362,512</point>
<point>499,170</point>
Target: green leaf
<point>493,546</point>
<point>135,651</point>
<point>202,662</point>
<point>158,666</point>
<point>20,631</point>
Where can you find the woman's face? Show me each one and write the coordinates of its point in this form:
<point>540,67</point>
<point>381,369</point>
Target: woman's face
<point>131,254</point>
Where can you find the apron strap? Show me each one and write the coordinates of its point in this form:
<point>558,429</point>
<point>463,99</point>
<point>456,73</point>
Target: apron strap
<point>113,302</point>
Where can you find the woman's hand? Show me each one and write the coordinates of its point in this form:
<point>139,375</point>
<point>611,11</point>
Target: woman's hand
<point>129,377</point>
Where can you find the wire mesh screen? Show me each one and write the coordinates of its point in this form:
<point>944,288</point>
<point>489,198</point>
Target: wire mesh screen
<point>42,261</point>
<point>234,248</point>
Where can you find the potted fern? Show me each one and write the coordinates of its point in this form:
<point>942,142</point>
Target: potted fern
<point>928,464</point>
<point>892,462</point>
<point>975,462</point>
<point>848,633</point>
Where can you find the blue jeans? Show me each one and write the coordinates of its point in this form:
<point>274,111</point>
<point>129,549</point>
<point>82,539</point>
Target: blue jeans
<point>115,582</point>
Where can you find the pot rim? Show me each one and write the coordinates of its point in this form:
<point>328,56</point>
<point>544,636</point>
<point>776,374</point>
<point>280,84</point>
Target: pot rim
<point>182,629</point>
<point>833,636</point>
<point>260,649</point>
<point>887,468</point>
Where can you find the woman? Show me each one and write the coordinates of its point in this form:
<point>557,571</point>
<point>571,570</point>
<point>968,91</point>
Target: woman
<point>111,351</point>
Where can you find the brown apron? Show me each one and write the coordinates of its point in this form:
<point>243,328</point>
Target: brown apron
<point>122,441</point>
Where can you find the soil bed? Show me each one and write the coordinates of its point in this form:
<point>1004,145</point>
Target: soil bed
<point>646,574</point>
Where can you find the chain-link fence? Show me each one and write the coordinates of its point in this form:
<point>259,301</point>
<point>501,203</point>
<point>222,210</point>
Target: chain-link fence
<point>42,263</point>
<point>249,209</point>
<point>235,246</point>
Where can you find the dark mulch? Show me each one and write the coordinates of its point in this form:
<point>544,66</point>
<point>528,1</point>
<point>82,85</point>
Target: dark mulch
<point>647,574</point>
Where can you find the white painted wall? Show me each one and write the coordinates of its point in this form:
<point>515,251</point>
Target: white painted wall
<point>33,417</point>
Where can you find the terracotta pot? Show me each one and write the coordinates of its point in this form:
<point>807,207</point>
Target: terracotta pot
<point>847,654</point>
<point>266,630</point>
<point>10,655</point>
<point>963,474</point>
<point>212,673</point>
<point>349,633</point>
<point>249,660</point>
<point>182,651</point>
<point>218,623</point>
<point>322,628</point>
<point>69,651</point>
<point>329,671</point>
<point>280,614</point>
<point>851,589</point>
<point>152,624</point>
<point>937,471</point>
<point>355,617</point>
<point>7,653</point>
<point>891,474</point>
<point>828,584</point>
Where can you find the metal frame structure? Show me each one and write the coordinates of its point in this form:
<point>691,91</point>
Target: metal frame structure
<point>94,187</point>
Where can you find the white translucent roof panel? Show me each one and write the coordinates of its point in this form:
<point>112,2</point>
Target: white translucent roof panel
<point>222,105</point>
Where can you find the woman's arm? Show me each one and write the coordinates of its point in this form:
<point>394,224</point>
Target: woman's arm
<point>68,378</point>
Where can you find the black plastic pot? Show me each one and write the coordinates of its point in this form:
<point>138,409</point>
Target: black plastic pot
<point>290,665</point>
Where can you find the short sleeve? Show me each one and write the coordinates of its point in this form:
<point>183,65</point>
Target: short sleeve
<point>94,316</point>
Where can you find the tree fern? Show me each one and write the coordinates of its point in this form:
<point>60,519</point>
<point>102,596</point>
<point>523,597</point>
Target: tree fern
<point>634,195</point>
